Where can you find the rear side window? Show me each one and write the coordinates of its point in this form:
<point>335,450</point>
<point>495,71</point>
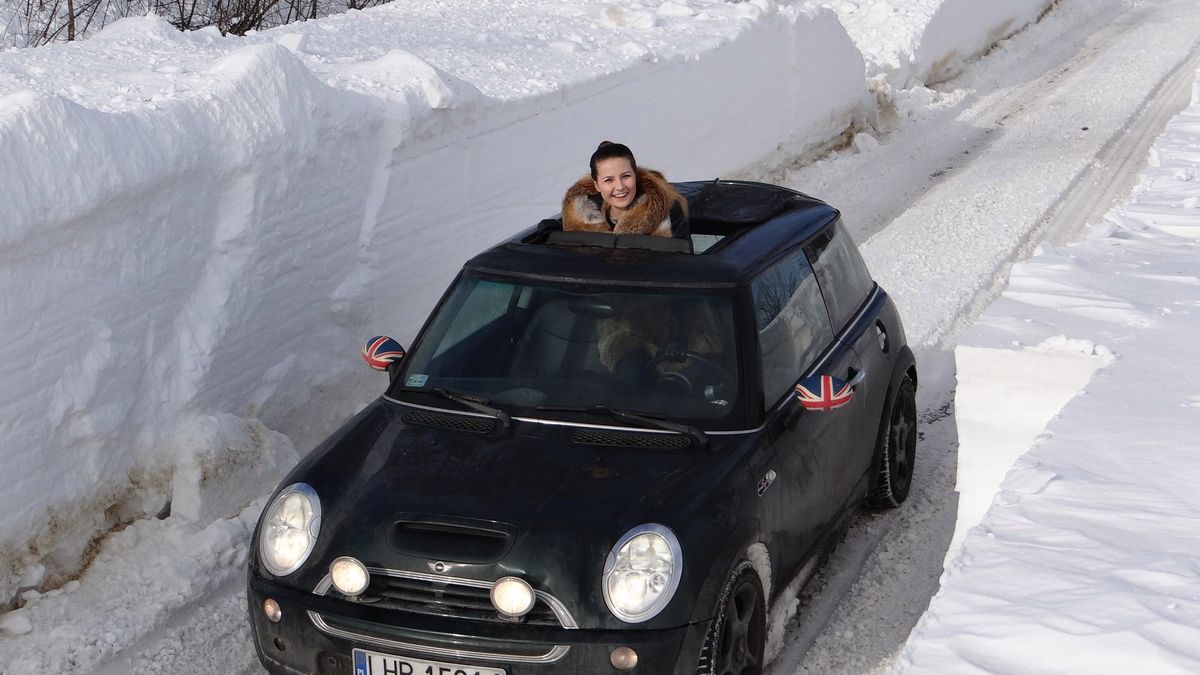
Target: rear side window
<point>793,328</point>
<point>843,275</point>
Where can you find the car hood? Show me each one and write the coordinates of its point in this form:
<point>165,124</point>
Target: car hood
<point>526,501</point>
<point>530,477</point>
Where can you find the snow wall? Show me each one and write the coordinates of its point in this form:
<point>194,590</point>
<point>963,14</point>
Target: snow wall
<point>952,36</point>
<point>924,42</point>
<point>185,275</point>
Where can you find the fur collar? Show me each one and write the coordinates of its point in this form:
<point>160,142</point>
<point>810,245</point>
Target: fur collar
<point>650,213</point>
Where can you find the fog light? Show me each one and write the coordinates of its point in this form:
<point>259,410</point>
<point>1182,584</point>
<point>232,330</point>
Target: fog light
<point>349,576</point>
<point>512,597</point>
<point>271,610</point>
<point>623,658</point>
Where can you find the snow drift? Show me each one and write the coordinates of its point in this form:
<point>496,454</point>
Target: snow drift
<point>951,38</point>
<point>924,42</point>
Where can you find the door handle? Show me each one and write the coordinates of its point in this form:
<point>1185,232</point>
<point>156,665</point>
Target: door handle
<point>857,378</point>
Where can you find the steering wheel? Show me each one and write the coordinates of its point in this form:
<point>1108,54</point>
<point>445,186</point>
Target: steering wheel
<point>681,381</point>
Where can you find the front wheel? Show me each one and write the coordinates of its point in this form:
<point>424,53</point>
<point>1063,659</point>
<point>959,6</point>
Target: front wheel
<point>897,450</point>
<point>736,641</point>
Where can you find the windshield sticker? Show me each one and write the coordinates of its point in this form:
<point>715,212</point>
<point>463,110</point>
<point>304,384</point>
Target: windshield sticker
<point>416,380</point>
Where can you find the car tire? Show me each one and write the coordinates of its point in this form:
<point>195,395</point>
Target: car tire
<point>737,638</point>
<point>897,449</point>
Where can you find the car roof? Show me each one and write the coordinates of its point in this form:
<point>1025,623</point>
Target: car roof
<point>738,228</point>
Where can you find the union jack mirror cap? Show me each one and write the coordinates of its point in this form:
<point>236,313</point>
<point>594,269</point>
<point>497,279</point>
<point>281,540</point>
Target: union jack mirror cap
<point>382,351</point>
<point>823,392</point>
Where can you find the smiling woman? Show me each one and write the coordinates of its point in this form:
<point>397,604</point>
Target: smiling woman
<point>620,198</point>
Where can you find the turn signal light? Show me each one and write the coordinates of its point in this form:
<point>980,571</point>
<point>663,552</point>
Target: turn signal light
<point>623,658</point>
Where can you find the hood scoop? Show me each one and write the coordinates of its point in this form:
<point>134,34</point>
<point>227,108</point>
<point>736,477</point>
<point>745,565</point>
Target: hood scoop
<point>445,538</point>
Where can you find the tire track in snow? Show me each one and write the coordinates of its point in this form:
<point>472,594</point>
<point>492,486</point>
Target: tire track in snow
<point>962,236</point>
<point>1114,172</point>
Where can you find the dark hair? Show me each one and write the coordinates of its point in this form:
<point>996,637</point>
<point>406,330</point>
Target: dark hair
<point>610,150</point>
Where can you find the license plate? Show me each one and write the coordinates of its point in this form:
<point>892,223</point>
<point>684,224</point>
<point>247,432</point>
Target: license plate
<point>374,663</point>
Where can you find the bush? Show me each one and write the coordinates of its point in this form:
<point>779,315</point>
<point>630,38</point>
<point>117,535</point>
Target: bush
<point>30,23</point>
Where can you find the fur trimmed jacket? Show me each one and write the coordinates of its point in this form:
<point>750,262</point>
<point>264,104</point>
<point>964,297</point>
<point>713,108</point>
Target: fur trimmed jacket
<point>650,328</point>
<point>658,210</point>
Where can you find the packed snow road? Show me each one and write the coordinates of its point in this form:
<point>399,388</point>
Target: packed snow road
<point>1034,141</point>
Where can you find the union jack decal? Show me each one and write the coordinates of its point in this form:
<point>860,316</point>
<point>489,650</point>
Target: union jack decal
<point>381,351</point>
<point>823,392</point>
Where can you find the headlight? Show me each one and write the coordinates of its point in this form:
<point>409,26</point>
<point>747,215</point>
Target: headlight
<point>642,573</point>
<point>289,529</point>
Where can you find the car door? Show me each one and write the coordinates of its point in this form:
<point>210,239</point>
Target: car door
<point>854,303</point>
<point>796,339</point>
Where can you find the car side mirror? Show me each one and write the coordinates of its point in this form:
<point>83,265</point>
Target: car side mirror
<point>824,392</point>
<point>383,353</point>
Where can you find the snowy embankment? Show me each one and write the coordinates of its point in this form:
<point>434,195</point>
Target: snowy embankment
<point>1086,559</point>
<point>199,231</point>
<point>924,42</point>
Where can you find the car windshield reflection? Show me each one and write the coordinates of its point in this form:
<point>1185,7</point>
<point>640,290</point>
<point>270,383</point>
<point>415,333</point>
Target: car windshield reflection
<point>529,345</point>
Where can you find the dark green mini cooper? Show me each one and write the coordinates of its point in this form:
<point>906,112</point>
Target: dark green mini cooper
<point>603,454</point>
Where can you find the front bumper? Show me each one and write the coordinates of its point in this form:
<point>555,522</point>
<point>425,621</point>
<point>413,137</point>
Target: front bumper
<point>295,646</point>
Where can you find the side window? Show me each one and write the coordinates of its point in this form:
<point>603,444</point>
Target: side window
<point>843,275</point>
<point>793,327</point>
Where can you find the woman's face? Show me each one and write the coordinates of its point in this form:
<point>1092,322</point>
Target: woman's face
<point>616,182</point>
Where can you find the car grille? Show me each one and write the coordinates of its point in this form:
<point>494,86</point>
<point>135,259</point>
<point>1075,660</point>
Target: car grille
<point>632,439</point>
<point>437,646</point>
<point>444,599</point>
<point>418,592</point>
<point>476,425</point>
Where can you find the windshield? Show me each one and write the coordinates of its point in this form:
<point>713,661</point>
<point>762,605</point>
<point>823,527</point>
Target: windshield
<point>534,346</point>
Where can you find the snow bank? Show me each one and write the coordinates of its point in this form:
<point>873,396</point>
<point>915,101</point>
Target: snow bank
<point>1083,563</point>
<point>888,34</point>
<point>145,573</point>
<point>224,459</point>
<point>962,29</point>
<point>1004,399</point>
<point>924,42</point>
<point>150,280</point>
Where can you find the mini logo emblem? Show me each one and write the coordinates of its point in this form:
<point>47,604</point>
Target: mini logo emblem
<point>439,567</point>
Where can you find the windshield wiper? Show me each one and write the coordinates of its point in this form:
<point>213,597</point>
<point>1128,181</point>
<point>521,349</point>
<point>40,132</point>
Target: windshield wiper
<point>476,403</point>
<point>634,418</point>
